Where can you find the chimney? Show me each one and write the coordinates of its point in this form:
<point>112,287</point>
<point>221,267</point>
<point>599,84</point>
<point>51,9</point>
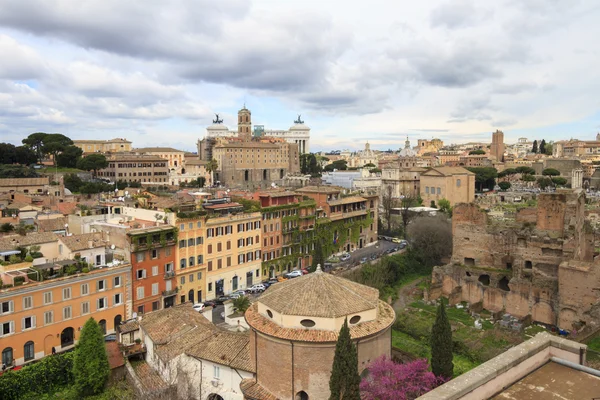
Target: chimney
<point>90,244</point>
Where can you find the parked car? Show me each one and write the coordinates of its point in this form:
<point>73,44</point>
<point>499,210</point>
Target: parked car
<point>402,246</point>
<point>199,307</point>
<point>396,240</point>
<point>363,260</point>
<point>258,288</point>
<point>221,299</point>
<point>238,293</point>
<point>304,271</point>
<point>373,256</point>
<point>294,274</point>
<point>345,257</point>
<point>110,338</point>
<point>281,278</point>
<point>209,303</point>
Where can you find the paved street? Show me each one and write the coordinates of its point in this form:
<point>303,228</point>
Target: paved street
<point>377,249</point>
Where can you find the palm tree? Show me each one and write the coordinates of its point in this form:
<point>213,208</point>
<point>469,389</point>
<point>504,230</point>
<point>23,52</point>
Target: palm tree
<point>211,167</point>
<point>22,229</point>
<point>241,304</point>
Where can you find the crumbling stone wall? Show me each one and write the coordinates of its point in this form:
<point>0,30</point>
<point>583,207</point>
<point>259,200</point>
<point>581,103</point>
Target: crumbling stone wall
<point>540,264</point>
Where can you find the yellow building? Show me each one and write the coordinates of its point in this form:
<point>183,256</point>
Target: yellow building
<point>455,184</point>
<point>44,308</point>
<point>232,251</point>
<point>116,145</point>
<point>191,267</point>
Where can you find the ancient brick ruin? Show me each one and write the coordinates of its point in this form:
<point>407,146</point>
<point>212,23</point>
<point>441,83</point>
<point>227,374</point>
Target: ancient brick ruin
<point>539,262</point>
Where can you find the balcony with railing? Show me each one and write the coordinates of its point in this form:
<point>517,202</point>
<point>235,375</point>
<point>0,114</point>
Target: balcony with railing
<point>169,274</point>
<point>167,293</point>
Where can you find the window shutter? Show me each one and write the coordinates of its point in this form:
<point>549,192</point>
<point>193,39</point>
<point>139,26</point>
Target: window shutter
<point>22,324</point>
<point>33,321</point>
<point>11,306</point>
<point>12,326</point>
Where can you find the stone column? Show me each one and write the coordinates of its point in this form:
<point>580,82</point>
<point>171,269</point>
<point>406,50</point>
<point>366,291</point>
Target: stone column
<point>577,178</point>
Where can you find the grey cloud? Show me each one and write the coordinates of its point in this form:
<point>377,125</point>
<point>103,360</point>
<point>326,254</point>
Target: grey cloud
<point>456,14</point>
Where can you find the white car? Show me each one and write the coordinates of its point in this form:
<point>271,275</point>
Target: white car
<point>345,257</point>
<point>198,307</point>
<point>294,274</point>
<point>258,288</point>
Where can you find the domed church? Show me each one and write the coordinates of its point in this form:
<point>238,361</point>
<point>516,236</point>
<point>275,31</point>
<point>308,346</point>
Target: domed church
<point>294,328</point>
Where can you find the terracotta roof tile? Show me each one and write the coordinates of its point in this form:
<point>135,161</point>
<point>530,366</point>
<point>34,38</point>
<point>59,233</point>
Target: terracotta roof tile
<point>67,208</point>
<point>320,295</point>
<point>385,318</point>
<point>165,325</point>
<point>129,327</point>
<point>81,242</point>
<point>32,238</point>
<point>226,348</point>
<point>148,377</point>
<point>51,224</point>
<point>115,357</point>
<point>254,391</point>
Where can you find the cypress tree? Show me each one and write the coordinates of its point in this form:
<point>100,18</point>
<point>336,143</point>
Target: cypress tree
<point>318,256</point>
<point>90,363</point>
<point>534,149</point>
<point>344,382</point>
<point>441,345</point>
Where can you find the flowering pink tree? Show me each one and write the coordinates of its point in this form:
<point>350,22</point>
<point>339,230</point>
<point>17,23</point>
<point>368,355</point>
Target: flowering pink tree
<point>388,380</point>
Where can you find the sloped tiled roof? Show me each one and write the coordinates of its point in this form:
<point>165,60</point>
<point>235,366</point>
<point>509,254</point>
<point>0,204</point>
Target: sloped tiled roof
<point>129,327</point>
<point>254,391</point>
<point>226,348</point>
<point>52,224</point>
<point>448,171</point>
<point>82,242</point>
<point>32,238</point>
<point>115,357</point>
<point>166,325</point>
<point>24,181</point>
<point>148,377</point>
<point>385,318</point>
<point>320,295</point>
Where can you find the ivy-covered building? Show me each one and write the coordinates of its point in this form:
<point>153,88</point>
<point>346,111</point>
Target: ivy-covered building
<point>153,251</point>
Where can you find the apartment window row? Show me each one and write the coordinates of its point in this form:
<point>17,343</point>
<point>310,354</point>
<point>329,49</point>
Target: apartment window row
<point>432,190</point>
<point>249,241</point>
<point>219,231</point>
<point>191,242</point>
<point>248,226</point>
<point>190,226</point>
<point>271,227</point>
<point>154,254</point>
<point>251,256</point>
<point>142,274</point>
<point>183,263</point>
<point>278,214</point>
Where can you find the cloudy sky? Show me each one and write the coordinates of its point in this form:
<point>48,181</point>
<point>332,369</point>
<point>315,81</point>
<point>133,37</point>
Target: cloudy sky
<point>155,71</point>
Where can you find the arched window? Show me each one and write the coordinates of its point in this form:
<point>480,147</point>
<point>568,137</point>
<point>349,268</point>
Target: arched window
<point>67,337</point>
<point>102,324</point>
<point>302,395</point>
<point>29,351</point>
<point>7,356</point>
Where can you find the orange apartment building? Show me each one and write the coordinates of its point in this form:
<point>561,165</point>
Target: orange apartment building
<point>232,249</point>
<point>347,208</point>
<point>153,251</point>
<point>191,269</point>
<point>283,214</point>
<point>46,312</point>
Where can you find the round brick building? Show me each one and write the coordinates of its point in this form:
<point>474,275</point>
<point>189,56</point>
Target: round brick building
<point>294,328</point>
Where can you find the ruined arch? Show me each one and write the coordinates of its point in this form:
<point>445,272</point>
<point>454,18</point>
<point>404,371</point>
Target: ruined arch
<point>484,279</point>
<point>543,312</point>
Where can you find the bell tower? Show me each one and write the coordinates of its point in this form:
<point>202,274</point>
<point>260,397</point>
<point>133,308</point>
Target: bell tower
<point>244,123</point>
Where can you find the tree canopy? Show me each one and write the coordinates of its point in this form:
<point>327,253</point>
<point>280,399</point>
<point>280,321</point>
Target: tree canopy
<point>485,177</point>
<point>340,165</point>
<point>525,170</point>
<point>504,185</point>
<point>534,149</point>
<point>93,162</point>
<point>477,152</point>
<point>441,344</point>
<point>11,154</point>
<point>431,237</point>
<point>550,172</point>
<point>344,381</point>
<point>388,380</point>
<point>69,157</point>
<point>90,365</point>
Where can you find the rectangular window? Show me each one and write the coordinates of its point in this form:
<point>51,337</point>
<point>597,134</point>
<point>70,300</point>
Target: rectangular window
<point>216,371</point>
<point>48,317</point>
<point>28,323</point>
<point>209,265</point>
<point>439,190</point>
<point>7,307</point>
<point>183,263</point>
<point>191,242</point>
<point>141,273</point>
<point>199,240</point>
<point>219,263</point>
<point>192,260</point>
<point>191,225</point>
<point>257,273</point>
<point>48,298</point>
<point>182,280</point>
<point>154,289</point>
<point>27,302</point>
<point>155,305</point>
<point>101,303</point>
<point>200,260</point>
<point>154,253</point>
<point>199,276</point>
<point>117,299</point>
<point>229,261</point>
<point>7,328</point>
<point>191,278</point>
<point>102,284</point>
<point>85,307</point>
<point>198,224</point>
<point>66,293</point>
<point>427,189</point>
<point>154,270</point>
<point>209,249</point>
<point>168,251</point>
<point>168,267</point>
<point>210,286</point>
<point>182,227</point>
<point>181,244</point>
<point>140,309</point>
<point>140,256</point>
<point>140,293</point>
<point>67,313</point>
<point>458,183</point>
<point>210,232</point>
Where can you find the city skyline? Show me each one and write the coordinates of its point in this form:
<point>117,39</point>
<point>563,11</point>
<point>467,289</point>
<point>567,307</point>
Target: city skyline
<point>156,75</point>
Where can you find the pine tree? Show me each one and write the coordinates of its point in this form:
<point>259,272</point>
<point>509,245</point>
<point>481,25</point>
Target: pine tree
<point>90,364</point>
<point>441,345</point>
<point>543,147</point>
<point>345,381</point>
<point>535,147</point>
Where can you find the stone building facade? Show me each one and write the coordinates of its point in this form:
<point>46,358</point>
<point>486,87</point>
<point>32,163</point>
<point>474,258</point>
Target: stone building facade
<point>539,264</point>
<point>117,145</point>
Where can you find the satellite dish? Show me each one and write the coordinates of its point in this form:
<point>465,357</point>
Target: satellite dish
<point>134,315</point>
<point>112,246</point>
<point>116,190</point>
<point>126,193</point>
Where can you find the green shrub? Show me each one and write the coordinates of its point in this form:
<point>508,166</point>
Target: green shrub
<point>29,258</point>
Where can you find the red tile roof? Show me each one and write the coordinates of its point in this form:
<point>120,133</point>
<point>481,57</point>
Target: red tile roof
<point>254,391</point>
<point>115,357</point>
